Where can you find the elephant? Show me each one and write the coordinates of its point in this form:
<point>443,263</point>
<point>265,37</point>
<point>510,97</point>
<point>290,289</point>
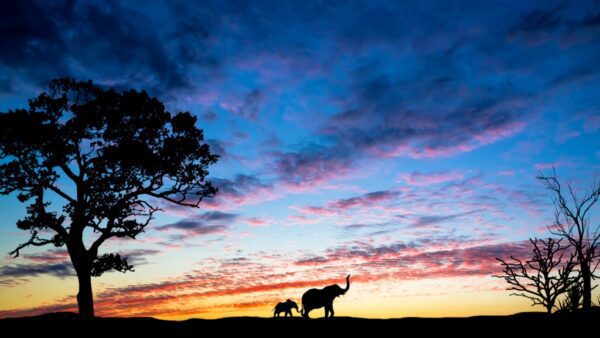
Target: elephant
<point>318,298</point>
<point>285,307</point>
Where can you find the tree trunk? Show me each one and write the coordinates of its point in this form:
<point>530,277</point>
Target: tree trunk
<point>85,298</point>
<point>550,307</point>
<point>81,263</point>
<point>587,286</point>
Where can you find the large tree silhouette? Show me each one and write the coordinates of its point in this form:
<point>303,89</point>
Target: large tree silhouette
<point>111,158</point>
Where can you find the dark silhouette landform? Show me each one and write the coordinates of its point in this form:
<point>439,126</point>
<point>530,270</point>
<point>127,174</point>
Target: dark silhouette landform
<point>70,324</point>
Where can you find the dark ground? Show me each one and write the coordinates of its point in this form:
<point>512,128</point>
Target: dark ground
<point>518,325</point>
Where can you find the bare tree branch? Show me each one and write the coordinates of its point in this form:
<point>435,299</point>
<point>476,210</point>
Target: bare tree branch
<point>571,222</point>
<point>542,278</point>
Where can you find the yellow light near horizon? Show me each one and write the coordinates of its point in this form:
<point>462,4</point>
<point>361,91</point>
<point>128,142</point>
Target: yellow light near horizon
<point>448,298</point>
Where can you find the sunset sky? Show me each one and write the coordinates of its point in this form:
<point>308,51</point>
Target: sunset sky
<point>394,141</point>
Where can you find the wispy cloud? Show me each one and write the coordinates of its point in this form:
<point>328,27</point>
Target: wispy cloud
<point>421,221</point>
<point>397,262</point>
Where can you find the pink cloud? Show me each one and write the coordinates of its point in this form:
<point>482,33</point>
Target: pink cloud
<point>422,152</point>
<point>220,280</point>
<point>257,222</point>
<point>379,200</point>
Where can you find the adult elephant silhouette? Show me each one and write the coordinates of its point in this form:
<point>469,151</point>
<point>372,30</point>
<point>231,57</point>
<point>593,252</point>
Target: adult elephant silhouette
<point>318,298</point>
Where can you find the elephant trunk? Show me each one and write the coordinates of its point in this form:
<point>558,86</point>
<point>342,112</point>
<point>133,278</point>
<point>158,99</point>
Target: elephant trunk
<point>347,284</point>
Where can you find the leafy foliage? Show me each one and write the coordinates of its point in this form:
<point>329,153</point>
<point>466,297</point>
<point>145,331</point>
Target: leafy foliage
<point>112,158</point>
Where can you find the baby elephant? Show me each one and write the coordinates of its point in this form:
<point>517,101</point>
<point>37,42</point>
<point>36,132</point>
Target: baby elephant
<point>286,308</point>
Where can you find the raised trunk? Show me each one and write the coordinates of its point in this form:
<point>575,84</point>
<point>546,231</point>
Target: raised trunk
<point>587,286</point>
<point>347,284</point>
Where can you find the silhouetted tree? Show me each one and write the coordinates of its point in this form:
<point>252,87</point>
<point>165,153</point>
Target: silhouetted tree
<point>111,157</point>
<point>542,278</point>
<point>572,222</point>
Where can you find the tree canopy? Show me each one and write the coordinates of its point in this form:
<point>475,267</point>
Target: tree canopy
<point>112,157</point>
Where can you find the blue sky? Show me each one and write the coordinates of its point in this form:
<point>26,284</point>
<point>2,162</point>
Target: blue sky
<point>370,137</point>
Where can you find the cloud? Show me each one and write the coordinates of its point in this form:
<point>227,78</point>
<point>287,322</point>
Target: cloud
<point>209,116</point>
<point>240,185</point>
<point>375,123</point>
<point>218,216</point>
<point>357,226</point>
<point>364,201</point>
<point>444,97</point>
<point>239,190</point>
<point>546,24</point>
<point>208,223</point>
<point>217,147</point>
<point>44,40</point>
<point>539,20</point>
<point>249,107</point>
<point>62,270</point>
<point>58,264</point>
<point>196,227</point>
<point>227,282</point>
<point>48,256</point>
<point>139,256</point>
<point>422,221</point>
<point>424,259</point>
<point>312,164</point>
<point>257,222</point>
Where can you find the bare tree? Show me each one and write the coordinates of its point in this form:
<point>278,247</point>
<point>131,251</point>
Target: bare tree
<point>542,278</point>
<point>572,222</point>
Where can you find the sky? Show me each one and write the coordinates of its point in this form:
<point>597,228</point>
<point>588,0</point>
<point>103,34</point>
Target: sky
<point>395,141</point>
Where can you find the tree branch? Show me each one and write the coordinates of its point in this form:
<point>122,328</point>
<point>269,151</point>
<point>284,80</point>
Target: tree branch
<point>61,193</point>
<point>33,241</point>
